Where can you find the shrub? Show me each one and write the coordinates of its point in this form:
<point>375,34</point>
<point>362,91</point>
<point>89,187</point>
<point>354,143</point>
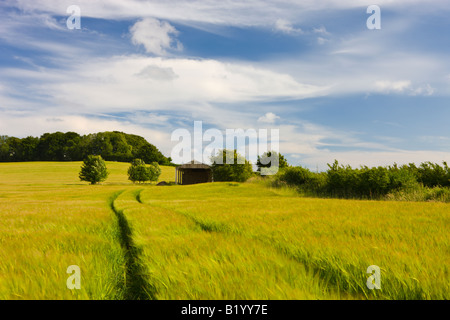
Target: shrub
<point>373,182</point>
<point>265,165</point>
<point>296,176</point>
<point>306,181</point>
<point>408,182</point>
<point>93,170</point>
<point>240,169</point>
<point>343,181</point>
<point>154,171</point>
<point>432,174</point>
<point>402,178</point>
<point>139,172</point>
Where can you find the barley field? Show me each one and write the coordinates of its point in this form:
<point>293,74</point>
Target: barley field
<point>209,241</point>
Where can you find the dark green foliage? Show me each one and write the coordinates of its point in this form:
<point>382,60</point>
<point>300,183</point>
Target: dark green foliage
<point>93,170</point>
<point>154,171</point>
<point>306,180</point>
<point>58,146</point>
<point>367,183</point>
<point>296,175</point>
<point>432,174</point>
<point>139,172</point>
<point>112,146</point>
<point>70,146</point>
<point>15,149</point>
<point>239,169</point>
<point>402,178</point>
<point>264,161</point>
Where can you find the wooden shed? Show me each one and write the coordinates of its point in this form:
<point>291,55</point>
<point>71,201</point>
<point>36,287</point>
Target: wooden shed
<point>193,172</point>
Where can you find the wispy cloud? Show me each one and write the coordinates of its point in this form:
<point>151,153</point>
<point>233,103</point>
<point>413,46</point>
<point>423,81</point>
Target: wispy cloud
<point>286,26</point>
<point>233,12</point>
<point>321,30</point>
<point>120,83</point>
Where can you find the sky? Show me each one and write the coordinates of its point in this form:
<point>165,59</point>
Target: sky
<point>313,70</point>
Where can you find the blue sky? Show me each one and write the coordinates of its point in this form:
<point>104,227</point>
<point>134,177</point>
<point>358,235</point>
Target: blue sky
<point>311,69</point>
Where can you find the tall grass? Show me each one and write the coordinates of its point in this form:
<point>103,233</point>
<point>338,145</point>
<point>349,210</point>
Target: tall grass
<point>190,260</point>
<point>50,220</point>
<point>421,193</point>
<point>210,241</point>
<point>334,239</point>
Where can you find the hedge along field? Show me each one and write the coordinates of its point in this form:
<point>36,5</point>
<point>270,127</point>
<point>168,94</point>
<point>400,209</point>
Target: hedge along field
<point>336,240</point>
<point>50,220</point>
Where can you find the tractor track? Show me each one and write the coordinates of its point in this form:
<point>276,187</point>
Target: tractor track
<point>135,285</point>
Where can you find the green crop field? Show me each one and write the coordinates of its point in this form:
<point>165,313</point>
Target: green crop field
<point>209,241</point>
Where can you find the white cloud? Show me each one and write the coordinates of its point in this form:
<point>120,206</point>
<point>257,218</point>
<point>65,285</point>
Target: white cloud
<point>286,26</point>
<point>404,86</point>
<point>304,144</point>
<point>371,158</point>
<point>424,90</point>
<point>396,86</point>
<point>321,40</point>
<point>321,30</point>
<point>155,36</point>
<point>269,117</point>
<point>358,66</point>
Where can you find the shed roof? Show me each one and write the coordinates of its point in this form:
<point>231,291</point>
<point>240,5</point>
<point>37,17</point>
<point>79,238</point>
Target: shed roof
<point>194,164</point>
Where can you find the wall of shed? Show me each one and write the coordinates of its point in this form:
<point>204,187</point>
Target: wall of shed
<point>193,176</point>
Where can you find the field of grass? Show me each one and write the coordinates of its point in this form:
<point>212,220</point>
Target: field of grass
<point>209,241</point>
<point>50,220</point>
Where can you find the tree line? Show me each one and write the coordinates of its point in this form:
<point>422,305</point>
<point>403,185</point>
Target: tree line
<point>70,146</point>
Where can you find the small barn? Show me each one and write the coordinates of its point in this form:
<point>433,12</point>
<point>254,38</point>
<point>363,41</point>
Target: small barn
<point>193,172</point>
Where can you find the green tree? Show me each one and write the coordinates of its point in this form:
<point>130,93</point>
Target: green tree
<point>296,176</point>
<point>153,171</point>
<point>265,161</point>
<point>4,148</point>
<point>15,149</point>
<point>237,169</point>
<point>138,171</point>
<point>51,147</point>
<point>93,170</point>
<point>71,150</point>
<point>29,148</point>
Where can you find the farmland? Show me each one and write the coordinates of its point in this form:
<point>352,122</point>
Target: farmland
<point>209,241</point>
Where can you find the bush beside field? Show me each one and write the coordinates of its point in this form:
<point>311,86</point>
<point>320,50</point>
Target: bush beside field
<point>428,182</point>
